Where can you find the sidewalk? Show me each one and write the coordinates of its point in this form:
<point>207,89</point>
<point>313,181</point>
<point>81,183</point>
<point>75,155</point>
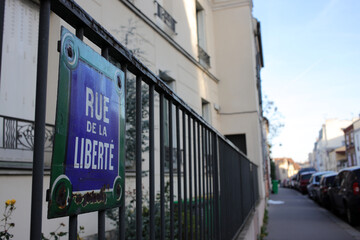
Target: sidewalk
<point>294,216</point>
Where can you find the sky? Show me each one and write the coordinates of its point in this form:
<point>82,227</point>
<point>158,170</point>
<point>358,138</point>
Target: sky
<point>311,52</point>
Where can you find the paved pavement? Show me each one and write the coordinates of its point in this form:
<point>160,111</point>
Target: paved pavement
<point>293,216</point>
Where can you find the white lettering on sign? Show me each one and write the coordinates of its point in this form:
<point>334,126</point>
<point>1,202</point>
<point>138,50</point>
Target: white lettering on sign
<point>98,155</point>
<point>101,105</point>
<point>90,127</point>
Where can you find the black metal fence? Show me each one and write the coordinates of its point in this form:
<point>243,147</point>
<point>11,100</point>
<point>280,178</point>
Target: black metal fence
<point>238,189</point>
<point>216,185</point>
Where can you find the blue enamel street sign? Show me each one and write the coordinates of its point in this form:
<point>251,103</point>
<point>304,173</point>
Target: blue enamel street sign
<point>87,171</point>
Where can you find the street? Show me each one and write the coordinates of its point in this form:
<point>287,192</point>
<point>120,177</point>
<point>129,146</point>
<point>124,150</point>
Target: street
<point>294,216</point>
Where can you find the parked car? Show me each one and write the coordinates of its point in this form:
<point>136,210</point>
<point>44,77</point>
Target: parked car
<point>297,176</point>
<point>326,182</point>
<point>345,193</point>
<point>304,181</point>
<point>313,185</point>
<point>293,181</point>
<point>286,183</point>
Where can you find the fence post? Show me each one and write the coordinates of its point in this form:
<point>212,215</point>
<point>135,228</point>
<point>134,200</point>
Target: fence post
<point>40,111</point>
<point>138,159</point>
<point>162,167</point>
<point>178,158</point>
<point>216,187</point>
<point>171,169</point>
<point>152,161</point>
<point>122,207</point>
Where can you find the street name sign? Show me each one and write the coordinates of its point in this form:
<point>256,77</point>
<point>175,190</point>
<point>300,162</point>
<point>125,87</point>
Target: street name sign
<point>87,169</point>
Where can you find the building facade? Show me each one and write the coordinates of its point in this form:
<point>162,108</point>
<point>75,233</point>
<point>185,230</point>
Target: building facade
<point>352,143</point>
<point>208,52</point>
<point>357,140</point>
<point>331,137</point>
<point>285,168</point>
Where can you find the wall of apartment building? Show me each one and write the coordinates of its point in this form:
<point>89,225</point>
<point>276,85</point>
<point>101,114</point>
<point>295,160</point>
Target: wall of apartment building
<point>236,67</point>
<point>235,95</point>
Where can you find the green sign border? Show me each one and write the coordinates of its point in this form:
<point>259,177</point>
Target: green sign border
<point>62,201</point>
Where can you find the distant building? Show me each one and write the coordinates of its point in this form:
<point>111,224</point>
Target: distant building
<point>337,159</point>
<point>357,140</point>
<point>352,143</point>
<point>285,168</point>
<point>331,137</point>
<point>305,164</point>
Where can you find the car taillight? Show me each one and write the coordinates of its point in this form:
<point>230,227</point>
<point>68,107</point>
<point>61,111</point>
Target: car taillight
<point>356,189</point>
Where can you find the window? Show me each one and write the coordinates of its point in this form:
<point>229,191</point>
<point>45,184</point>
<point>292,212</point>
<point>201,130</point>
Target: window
<point>204,58</point>
<point>167,21</point>
<point>206,112</point>
<point>18,50</point>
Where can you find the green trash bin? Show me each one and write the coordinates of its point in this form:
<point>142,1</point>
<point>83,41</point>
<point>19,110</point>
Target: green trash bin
<point>275,186</point>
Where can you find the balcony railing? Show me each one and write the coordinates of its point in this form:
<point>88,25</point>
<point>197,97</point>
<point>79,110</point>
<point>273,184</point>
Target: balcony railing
<point>19,134</point>
<point>165,17</point>
<point>204,58</point>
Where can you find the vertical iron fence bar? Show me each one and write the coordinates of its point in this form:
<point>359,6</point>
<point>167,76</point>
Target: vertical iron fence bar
<point>212,160</point>
<point>122,207</point>
<point>199,176</point>
<point>252,185</point>
<point>138,159</point>
<point>101,213</point>
<point>190,179</point>
<point>195,180</point>
<point>211,216</point>
<point>242,190</point>
<point>204,179</point>
<point>101,225</point>
<point>256,183</point>
<point>40,111</point>
<point>211,182</point>
<point>80,35</point>
<point>162,167</point>
<point>207,182</point>
<point>171,170</point>
<point>72,227</point>
<point>254,178</point>
<point>203,182</point>
<point>151,161</point>
<point>185,177</point>
<point>216,188</point>
<point>178,171</point>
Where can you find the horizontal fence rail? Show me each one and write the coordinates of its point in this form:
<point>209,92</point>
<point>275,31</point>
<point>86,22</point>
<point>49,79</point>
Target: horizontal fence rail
<point>207,188</point>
